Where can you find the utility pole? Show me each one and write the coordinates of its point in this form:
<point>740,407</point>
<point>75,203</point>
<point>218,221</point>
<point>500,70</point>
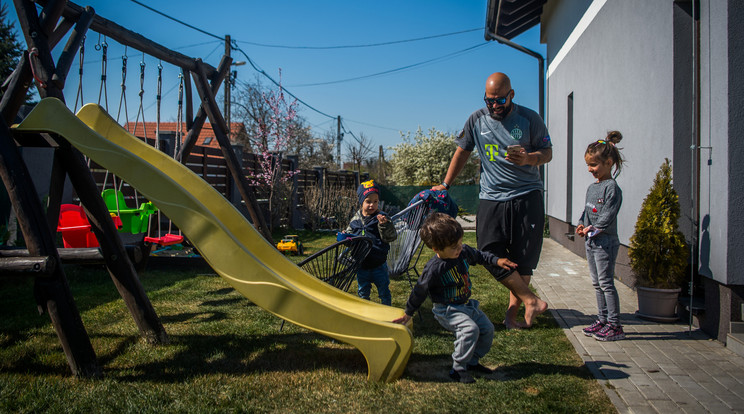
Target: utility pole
<point>381,165</point>
<point>228,86</point>
<point>339,137</point>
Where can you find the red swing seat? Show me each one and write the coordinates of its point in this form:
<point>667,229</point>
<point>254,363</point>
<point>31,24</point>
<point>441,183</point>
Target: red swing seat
<point>75,227</point>
<point>166,240</point>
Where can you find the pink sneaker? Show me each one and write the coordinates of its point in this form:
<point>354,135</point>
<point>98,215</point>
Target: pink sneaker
<point>593,328</point>
<point>610,333</point>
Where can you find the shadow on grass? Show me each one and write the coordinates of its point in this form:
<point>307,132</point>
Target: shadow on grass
<point>523,370</point>
<point>233,354</point>
<point>435,368</point>
<point>199,355</point>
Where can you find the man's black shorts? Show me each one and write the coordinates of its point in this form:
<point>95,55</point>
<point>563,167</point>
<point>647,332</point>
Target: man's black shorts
<point>512,229</point>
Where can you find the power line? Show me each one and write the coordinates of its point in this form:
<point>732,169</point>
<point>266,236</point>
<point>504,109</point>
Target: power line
<point>387,72</point>
<point>177,21</point>
<point>362,45</point>
<point>373,126</point>
<point>262,72</point>
<point>222,41</point>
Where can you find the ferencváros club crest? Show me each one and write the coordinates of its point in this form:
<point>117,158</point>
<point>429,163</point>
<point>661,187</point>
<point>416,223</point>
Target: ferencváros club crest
<point>516,133</point>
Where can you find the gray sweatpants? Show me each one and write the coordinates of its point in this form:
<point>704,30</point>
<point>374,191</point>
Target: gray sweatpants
<point>601,253</point>
<point>473,331</point>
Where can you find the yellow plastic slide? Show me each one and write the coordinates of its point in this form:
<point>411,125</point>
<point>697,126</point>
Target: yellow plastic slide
<point>229,243</point>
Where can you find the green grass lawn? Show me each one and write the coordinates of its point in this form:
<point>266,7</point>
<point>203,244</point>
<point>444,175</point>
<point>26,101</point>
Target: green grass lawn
<point>228,355</point>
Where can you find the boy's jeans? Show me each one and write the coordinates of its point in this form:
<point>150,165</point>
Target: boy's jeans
<point>473,332</point>
<point>601,253</point>
<point>379,276</point>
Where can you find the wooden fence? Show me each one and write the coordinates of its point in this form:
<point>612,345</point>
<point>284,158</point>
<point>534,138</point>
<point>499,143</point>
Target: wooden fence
<point>209,163</point>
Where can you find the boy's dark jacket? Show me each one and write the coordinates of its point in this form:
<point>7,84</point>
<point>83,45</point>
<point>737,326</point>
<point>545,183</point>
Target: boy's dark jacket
<point>381,235</point>
<point>447,281</point>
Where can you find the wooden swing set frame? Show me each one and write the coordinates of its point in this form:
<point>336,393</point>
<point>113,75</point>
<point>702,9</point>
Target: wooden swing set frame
<point>42,261</point>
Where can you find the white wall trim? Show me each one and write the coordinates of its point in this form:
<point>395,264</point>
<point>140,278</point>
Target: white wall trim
<point>586,19</point>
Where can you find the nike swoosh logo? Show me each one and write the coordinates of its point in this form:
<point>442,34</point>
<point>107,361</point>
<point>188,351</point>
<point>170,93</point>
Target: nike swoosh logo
<point>485,133</point>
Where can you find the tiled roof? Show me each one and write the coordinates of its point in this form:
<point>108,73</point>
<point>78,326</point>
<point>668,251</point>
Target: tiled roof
<point>206,136</point>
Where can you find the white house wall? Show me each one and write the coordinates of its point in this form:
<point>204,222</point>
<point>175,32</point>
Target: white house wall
<point>715,208</point>
<point>619,70</point>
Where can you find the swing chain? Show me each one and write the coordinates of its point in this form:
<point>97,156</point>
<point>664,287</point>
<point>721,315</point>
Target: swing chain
<point>104,67</point>
<point>179,119</point>
<point>33,55</point>
<point>158,97</point>
<point>141,109</point>
<point>123,97</point>
<point>79,93</point>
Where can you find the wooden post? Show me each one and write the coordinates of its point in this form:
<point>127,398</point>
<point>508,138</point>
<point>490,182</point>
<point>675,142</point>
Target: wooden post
<point>53,293</point>
<point>188,95</point>
<point>201,115</point>
<point>218,126</point>
<point>28,266</point>
<point>129,38</point>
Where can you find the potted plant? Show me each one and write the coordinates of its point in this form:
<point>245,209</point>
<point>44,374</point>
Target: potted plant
<point>658,251</point>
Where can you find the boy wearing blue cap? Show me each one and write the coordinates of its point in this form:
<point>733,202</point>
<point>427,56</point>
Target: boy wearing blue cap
<point>370,222</point>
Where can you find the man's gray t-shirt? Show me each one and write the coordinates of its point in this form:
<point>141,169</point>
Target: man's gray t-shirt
<point>603,201</point>
<point>500,179</point>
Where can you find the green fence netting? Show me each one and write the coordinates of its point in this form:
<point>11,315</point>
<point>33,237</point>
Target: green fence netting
<point>397,197</point>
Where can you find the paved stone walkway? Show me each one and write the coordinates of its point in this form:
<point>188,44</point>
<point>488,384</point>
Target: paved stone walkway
<point>658,368</point>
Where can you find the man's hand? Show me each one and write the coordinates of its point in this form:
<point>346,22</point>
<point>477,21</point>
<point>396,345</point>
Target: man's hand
<point>403,319</point>
<point>539,157</point>
<point>506,264</point>
<point>439,187</point>
<point>520,157</point>
<point>581,230</point>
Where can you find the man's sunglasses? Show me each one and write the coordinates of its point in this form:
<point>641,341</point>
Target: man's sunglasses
<point>498,101</point>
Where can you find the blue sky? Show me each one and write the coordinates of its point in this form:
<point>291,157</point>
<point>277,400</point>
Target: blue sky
<point>439,94</point>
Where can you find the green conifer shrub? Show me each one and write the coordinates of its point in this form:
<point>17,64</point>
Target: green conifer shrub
<point>658,251</point>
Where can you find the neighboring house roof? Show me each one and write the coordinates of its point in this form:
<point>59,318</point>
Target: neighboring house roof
<point>206,136</point>
<point>509,18</point>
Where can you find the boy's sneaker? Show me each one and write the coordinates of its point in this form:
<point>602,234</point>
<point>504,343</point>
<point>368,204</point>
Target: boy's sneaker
<point>594,328</point>
<point>610,333</point>
<point>461,376</point>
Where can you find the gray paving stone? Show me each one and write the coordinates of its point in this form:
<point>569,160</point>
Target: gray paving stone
<point>664,406</point>
<point>700,376</point>
<point>683,380</point>
<point>642,380</point>
<point>652,392</point>
<point>642,409</point>
<point>632,397</point>
<point>668,386</point>
<point>731,383</point>
<point>694,408</point>
<point>671,369</point>
<point>662,368</point>
<point>732,401</point>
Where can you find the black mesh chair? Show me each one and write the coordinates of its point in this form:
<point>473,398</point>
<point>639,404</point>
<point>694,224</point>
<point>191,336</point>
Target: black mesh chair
<point>406,249</point>
<point>338,263</point>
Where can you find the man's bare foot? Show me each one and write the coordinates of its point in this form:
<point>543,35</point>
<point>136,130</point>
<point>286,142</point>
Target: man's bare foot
<point>510,319</point>
<point>532,311</point>
<point>512,324</point>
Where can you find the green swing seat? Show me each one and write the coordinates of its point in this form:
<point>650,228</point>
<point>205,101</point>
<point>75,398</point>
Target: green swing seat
<point>133,220</point>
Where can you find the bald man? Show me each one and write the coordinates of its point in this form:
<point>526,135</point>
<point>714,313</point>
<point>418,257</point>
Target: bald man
<point>512,142</point>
